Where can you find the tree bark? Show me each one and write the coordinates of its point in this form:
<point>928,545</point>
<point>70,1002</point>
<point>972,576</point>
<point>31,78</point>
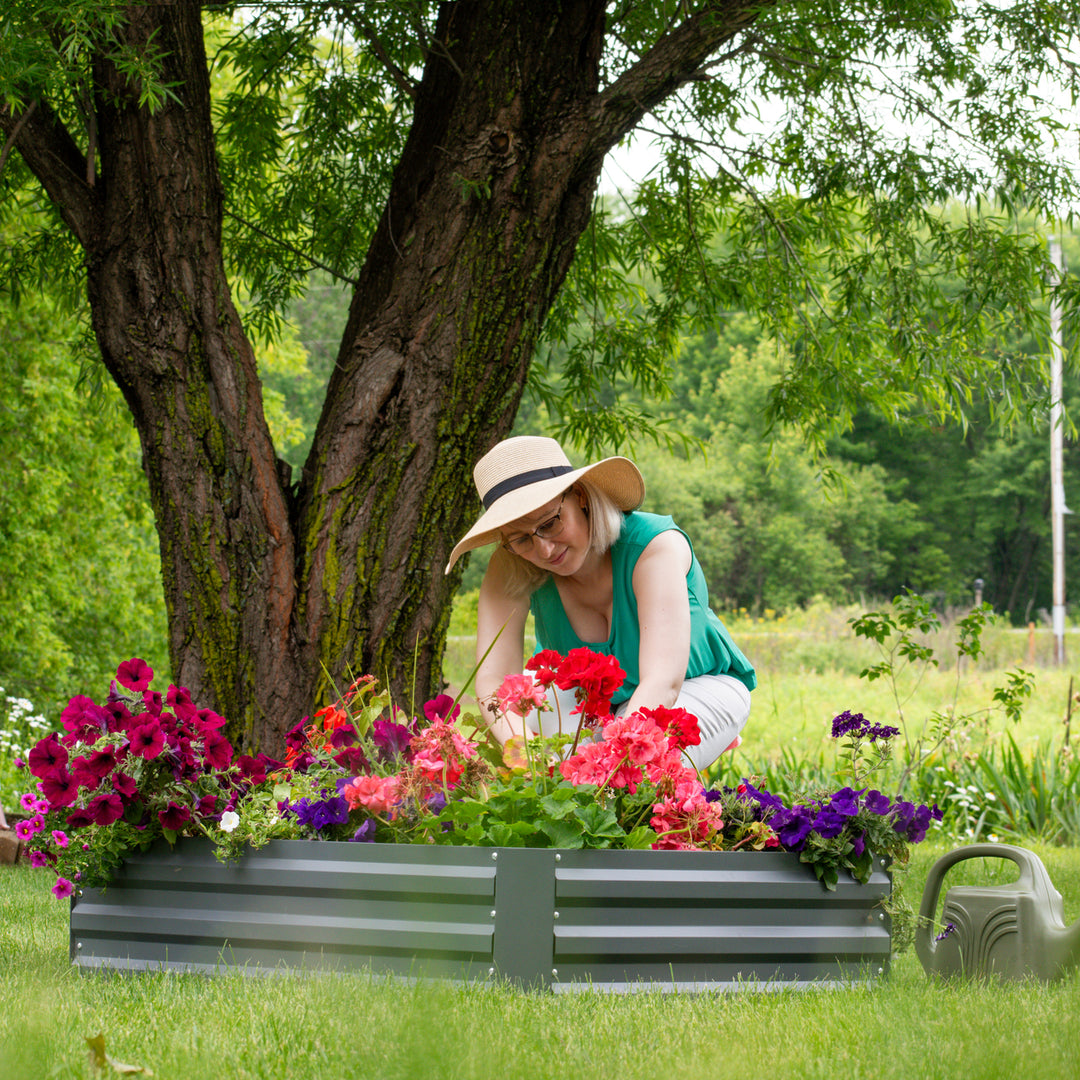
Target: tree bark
<point>275,599</point>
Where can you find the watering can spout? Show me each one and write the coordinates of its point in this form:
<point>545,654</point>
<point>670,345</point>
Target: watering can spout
<point>1009,931</point>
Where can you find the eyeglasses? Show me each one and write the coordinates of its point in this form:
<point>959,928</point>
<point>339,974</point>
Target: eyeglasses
<point>548,530</point>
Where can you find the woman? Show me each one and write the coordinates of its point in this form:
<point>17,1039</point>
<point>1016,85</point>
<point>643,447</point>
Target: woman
<point>597,572</point>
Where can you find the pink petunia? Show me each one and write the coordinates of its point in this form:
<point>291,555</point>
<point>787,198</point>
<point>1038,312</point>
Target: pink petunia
<point>24,830</point>
<point>60,838</point>
<point>135,674</point>
<point>63,888</point>
<point>38,858</point>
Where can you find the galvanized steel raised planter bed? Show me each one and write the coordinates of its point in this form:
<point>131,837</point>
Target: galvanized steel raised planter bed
<point>616,920</point>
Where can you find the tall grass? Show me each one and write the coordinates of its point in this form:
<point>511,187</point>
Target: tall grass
<point>189,1027</point>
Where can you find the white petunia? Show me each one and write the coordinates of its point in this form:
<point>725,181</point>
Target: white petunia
<point>229,820</point>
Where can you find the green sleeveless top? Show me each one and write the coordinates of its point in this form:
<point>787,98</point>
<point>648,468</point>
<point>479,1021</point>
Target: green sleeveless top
<point>712,652</point>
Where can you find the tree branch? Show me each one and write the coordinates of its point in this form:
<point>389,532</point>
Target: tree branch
<point>401,79</point>
<point>291,248</point>
<point>15,133</point>
<point>53,157</point>
<point>674,60</point>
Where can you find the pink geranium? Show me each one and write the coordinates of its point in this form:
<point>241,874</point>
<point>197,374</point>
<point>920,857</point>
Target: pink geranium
<point>376,794</point>
<point>520,694</point>
<point>440,754</point>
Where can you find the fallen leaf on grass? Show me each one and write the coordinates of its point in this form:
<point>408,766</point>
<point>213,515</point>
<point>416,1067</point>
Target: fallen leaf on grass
<point>100,1060</point>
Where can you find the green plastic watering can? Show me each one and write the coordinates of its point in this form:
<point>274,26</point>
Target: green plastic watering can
<point>1013,931</point>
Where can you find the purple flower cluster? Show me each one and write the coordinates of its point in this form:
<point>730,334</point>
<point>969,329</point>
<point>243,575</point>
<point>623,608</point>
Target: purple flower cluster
<point>319,813</point>
<point>828,818</point>
<point>857,726</point>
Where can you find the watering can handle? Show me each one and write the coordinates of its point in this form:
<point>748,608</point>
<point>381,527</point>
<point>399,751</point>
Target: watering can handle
<point>1022,857</point>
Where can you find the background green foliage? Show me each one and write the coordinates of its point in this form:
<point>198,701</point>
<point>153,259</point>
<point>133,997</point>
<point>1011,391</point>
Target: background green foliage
<point>80,585</point>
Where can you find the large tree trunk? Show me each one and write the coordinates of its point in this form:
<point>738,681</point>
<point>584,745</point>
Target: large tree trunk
<point>273,599</point>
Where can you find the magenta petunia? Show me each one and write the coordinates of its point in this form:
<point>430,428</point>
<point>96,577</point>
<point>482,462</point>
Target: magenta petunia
<point>147,741</point>
<point>63,888</point>
<point>60,838</point>
<point>38,858</point>
<point>217,751</point>
<point>135,674</point>
<point>178,695</point>
<point>82,717</point>
<point>60,788</point>
<point>441,707</point>
<point>46,756</point>
<point>79,819</point>
<point>104,809</point>
<point>174,816</point>
<point>124,784</point>
<point>24,830</point>
<point>209,719</point>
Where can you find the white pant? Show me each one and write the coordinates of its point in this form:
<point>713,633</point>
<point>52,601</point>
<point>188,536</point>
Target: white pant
<point>721,704</point>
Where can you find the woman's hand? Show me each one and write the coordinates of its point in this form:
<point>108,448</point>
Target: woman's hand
<point>663,604</point>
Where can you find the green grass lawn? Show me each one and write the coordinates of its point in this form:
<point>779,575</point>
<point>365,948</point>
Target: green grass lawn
<point>335,1026</point>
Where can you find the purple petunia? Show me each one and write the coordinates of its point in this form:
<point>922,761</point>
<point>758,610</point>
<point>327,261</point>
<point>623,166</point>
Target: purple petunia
<point>792,826</point>
<point>366,833</point>
<point>845,802</point>
<point>390,739</point>
<point>318,813</point>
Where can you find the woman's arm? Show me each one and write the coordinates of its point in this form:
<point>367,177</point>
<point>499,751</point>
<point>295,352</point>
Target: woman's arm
<point>499,619</point>
<point>663,605</point>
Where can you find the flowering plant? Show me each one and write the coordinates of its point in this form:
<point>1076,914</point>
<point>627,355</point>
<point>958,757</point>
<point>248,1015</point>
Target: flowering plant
<point>141,767</point>
<point>122,774</point>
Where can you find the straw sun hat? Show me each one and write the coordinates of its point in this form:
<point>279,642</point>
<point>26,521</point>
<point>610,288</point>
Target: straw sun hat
<point>519,475</point>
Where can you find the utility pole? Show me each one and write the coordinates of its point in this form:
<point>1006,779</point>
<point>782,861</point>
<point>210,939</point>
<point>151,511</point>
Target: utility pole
<point>1058,509</point>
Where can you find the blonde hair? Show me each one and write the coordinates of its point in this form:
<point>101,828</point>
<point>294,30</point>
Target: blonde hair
<point>522,578</point>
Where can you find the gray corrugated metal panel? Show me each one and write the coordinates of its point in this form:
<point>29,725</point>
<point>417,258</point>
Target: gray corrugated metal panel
<point>639,913</point>
<point>215,959</point>
<point>305,904</point>
<point>243,926</point>
<point>716,877</point>
<point>311,867</point>
<point>704,940</point>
